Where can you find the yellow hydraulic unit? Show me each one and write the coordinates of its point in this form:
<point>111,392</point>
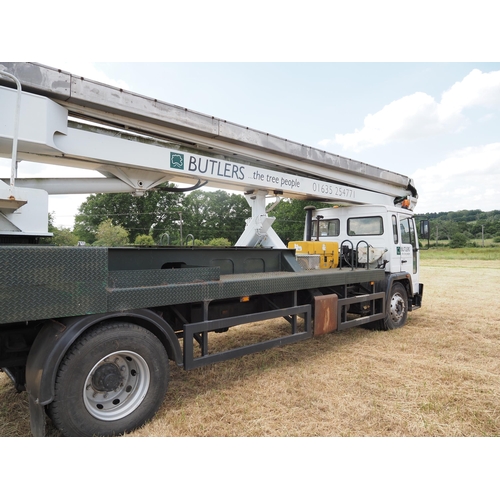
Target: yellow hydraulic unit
<point>316,254</point>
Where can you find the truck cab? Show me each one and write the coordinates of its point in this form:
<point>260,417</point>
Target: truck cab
<point>385,236</point>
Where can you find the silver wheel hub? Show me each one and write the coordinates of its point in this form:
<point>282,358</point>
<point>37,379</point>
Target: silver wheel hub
<point>116,385</point>
<point>397,308</point>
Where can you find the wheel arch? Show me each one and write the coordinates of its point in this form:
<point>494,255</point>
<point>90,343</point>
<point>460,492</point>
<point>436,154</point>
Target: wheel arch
<point>57,336</point>
<point>390,279</point>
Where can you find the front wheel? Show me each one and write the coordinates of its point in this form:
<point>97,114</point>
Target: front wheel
<point>397,307</point>
<point>111,381</point>
<point>396,310</point>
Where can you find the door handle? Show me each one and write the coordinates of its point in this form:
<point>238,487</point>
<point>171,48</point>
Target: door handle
<point>404,261</point>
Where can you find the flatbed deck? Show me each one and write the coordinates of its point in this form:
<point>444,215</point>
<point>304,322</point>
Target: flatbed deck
<point>38,282</point>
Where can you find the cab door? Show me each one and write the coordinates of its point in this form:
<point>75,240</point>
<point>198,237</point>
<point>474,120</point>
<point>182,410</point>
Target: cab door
<point>408,249</point>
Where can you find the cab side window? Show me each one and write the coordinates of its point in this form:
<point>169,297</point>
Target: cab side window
<point>327,227</point>
<point>405,231</point>
<point>395,228</point>
<point>365,226</point>
<point>408,232</point>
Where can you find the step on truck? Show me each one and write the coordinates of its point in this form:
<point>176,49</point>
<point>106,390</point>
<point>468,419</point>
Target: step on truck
<point>89,332</point>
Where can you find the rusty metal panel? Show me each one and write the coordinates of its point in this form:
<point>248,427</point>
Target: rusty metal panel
<point>325,314</point>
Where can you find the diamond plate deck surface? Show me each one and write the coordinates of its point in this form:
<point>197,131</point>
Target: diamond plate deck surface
<point>235,285</point>
<point>38,282</point>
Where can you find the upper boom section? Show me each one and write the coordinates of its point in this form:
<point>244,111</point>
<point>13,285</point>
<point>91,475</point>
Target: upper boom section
<point>196,133</point>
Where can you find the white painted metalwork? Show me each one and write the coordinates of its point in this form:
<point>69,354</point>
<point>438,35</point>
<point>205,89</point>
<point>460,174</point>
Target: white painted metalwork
<point>13,170</point>
<point>152,142</point>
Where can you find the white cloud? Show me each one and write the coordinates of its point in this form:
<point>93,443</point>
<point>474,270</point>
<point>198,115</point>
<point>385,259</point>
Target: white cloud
<point>476,89</point>
<point>468,179</point>
<point>419,115</point>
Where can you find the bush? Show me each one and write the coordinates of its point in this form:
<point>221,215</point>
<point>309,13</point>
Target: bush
<point>111,236</point>
<point>64,237</point>
<point>144,240</point>
<point>458,240</point>
<point>219,242</point>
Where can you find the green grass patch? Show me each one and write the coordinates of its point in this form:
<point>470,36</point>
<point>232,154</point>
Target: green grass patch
<point>468,253</point>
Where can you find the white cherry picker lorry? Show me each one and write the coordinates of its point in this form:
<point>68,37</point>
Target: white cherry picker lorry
<point>89,332</point>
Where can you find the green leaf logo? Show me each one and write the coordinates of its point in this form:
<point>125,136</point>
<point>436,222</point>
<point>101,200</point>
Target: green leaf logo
<point>177,161</point>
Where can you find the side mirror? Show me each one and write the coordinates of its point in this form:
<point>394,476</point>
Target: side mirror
<point>425,229</point>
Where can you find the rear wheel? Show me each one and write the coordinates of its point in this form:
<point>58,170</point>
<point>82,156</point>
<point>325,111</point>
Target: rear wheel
<point>111,381</point>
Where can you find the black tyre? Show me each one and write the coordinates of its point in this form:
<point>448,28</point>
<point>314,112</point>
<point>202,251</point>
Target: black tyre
<point>397,308</point>
<point>111,381</point>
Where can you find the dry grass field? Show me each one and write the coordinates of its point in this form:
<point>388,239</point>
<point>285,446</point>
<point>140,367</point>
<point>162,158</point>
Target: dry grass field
<point>438,376</point>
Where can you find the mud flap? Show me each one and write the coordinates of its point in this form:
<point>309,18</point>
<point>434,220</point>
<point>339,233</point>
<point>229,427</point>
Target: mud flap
<point>37,418</point>
<point>325,314</point>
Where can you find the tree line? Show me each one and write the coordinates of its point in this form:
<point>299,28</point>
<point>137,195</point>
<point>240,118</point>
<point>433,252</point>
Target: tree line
<point>218,218</point>
<point>461,228</point>
<point>164,217</point>
<point>214,218</point>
